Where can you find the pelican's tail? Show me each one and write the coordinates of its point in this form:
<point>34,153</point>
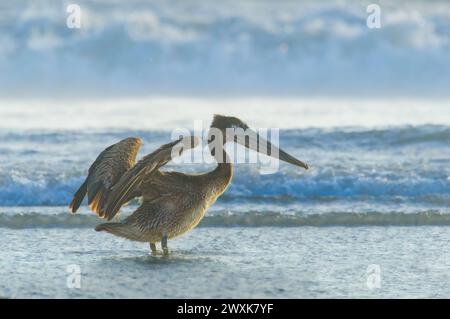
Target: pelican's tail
<point>78,198</point>
<point>121,230</point>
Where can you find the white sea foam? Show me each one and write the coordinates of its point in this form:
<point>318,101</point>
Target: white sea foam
<point>45,167</point>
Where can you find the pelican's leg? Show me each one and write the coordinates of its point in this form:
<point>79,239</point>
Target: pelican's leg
<point>153,248</point>
<point>164,245</point>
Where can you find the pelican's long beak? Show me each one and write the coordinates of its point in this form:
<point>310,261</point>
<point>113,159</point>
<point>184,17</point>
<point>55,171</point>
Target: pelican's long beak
<point>254,141</point>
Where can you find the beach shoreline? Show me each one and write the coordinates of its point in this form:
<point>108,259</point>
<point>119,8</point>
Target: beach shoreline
<point>238,262</point>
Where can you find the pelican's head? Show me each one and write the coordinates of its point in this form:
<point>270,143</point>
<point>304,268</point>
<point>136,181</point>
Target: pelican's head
<point>235,130</point>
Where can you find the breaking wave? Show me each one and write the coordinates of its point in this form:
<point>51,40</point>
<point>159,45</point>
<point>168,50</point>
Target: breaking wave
<point>311,47</point>
<point>347,164</point>
<point>323,185</point>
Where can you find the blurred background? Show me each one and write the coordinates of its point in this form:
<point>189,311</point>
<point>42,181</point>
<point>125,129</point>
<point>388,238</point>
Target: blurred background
<point>221,48</point>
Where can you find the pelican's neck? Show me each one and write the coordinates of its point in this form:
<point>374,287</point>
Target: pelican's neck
<point>223,162</point>
<point>221,176</point>
<point>223,173</point>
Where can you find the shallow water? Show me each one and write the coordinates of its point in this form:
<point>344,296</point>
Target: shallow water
<point>266,262</point>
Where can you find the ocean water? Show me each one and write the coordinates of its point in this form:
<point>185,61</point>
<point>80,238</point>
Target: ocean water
<point>250,47</point>
<point>367,109</point>
<point>377,196</point>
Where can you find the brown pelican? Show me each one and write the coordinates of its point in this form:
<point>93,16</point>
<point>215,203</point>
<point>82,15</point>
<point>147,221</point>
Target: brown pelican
<point>172,202</point>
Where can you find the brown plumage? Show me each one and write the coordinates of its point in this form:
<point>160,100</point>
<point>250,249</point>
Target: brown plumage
<point>173,203</point>
<point>104,173</point>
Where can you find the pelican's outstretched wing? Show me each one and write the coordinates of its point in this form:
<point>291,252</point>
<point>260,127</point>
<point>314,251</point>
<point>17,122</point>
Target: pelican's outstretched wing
<point>104,173</point>
<point>130,182</point>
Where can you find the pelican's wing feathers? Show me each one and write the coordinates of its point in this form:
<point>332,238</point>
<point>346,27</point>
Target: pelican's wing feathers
<point>131,181</point>
<point>104,173</point>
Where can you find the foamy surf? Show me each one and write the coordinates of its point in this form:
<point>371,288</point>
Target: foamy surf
<point>351,164</point>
